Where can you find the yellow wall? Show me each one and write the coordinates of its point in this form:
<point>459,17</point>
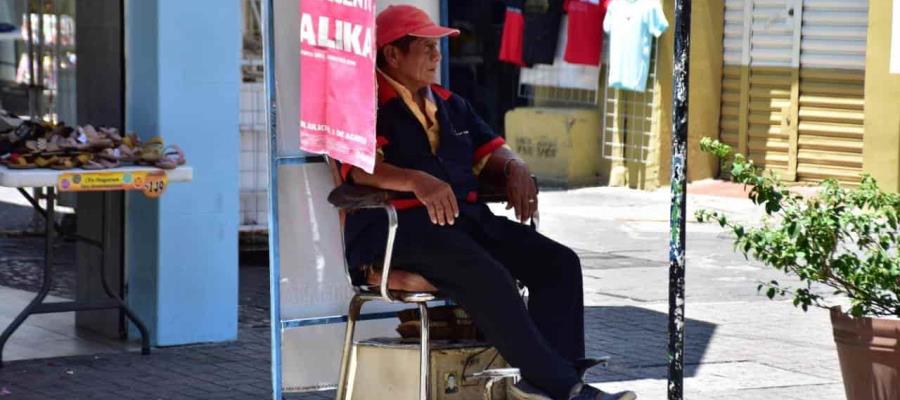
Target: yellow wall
<point>560,145</point>
<point>664,92</point>
<point>881,140</point>
<point>707,23</point>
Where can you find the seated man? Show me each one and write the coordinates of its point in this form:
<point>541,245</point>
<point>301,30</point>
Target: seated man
<point>432,146</point>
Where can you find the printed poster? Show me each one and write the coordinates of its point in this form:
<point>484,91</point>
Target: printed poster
<point>337,80</point>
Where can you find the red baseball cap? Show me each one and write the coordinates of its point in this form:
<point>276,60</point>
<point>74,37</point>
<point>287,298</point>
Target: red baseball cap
<point>398,21</point>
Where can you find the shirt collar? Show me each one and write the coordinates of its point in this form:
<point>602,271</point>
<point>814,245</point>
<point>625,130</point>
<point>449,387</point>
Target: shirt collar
<point>403,91</point>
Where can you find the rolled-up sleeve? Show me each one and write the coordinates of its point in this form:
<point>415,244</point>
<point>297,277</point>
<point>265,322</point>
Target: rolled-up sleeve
<point>484,140</point>
<point>380,142</point>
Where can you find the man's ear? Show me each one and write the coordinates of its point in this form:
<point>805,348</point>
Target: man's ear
<point>391,55</point>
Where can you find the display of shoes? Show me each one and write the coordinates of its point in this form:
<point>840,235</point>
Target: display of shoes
<point>28,145</point>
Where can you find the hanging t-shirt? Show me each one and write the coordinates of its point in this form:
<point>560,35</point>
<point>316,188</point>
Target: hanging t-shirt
<point>561,74</point>
<point>585,34</point>
<point>513,32</point>
<point>632,25</point>
<point>542,19</point>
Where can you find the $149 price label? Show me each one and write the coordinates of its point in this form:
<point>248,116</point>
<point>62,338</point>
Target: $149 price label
<point>155,185</point>
<point>152,183</point>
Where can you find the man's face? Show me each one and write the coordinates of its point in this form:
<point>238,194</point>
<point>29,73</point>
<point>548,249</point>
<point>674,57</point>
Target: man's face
<point>419,65</point>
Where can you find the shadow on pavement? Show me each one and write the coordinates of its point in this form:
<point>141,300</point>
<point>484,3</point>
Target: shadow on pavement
<point>636,339</point>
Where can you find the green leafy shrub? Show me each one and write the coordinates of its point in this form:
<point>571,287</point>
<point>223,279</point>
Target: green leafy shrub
<point>846,239</point>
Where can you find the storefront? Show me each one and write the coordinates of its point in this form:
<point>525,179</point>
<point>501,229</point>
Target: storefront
<point>806,88</point>
<point>793,86</point>
<point>156,68</point>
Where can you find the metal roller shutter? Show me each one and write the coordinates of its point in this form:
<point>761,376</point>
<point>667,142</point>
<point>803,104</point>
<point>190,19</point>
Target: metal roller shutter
<point>730,122</point>
<point>832,81</point>
<point>792,86</point>
<point>772,61</point>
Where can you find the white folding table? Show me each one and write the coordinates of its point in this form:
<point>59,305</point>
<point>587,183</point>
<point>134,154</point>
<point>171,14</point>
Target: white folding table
<point>103,180</point>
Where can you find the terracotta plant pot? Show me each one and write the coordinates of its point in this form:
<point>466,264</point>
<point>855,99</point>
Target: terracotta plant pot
<point>869,353</point>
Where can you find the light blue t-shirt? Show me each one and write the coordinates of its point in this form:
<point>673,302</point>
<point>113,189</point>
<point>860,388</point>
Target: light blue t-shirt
<point>632,25</point>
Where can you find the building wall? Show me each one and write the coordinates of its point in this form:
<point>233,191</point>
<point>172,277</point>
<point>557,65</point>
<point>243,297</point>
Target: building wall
<point>881,142</point>
<point>661,165</point>
<point>707,19</point>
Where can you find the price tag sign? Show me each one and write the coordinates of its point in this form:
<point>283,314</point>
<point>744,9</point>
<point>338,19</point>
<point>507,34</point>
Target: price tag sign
<point>152,183</point>
<point>155,185</point>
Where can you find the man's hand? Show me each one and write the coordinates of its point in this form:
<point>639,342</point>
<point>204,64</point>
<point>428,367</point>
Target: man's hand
<point>520,190</point>
<point>438,198</point>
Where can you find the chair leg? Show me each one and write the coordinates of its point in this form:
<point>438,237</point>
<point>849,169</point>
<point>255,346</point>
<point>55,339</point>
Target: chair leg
<point>425,359</point>
<point>352,315</point>
<point>489,388</point>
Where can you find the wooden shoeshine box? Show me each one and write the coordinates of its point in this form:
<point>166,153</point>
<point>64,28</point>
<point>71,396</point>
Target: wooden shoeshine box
<point>388,368</point>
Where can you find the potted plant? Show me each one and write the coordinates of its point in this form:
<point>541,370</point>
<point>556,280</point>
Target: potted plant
<point>843,239</point>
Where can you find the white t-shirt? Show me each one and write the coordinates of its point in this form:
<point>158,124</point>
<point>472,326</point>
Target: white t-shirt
<point>632,25</point>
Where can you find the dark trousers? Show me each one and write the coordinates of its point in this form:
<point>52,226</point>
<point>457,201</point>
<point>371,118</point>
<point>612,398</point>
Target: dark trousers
<point>476,262</point>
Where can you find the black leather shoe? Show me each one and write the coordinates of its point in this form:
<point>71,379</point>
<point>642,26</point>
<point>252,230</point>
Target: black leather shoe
<point>589,392</point>
<point>582,365</point>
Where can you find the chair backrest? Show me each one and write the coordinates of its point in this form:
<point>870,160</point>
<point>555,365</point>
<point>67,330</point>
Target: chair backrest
<point>335,170</point>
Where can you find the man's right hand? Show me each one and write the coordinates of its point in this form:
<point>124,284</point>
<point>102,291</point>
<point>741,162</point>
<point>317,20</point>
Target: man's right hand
<point>438,198</point>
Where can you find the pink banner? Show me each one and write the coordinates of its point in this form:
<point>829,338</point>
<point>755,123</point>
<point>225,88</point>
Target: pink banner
<point>337,80</point>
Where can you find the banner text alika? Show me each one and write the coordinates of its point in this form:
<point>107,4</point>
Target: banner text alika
<point>339,35</point>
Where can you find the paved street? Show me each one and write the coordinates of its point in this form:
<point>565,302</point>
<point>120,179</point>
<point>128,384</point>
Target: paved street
<point>740,345</point>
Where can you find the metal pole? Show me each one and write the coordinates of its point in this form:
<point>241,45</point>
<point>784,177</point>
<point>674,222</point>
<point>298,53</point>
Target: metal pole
<point>41,41</point>
<point>445,44</point>
<point>679,192</point>
<point>268,34</point>
<point>29,26</point>
<point>57,60</point>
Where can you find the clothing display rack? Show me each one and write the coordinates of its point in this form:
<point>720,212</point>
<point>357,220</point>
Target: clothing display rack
<point>630,118</point>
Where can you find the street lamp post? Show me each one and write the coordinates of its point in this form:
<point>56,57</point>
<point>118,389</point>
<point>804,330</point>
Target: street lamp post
<point>679,191</point>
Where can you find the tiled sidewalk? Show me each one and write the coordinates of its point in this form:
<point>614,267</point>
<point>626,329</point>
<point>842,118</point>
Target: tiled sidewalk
<point>739,345</point>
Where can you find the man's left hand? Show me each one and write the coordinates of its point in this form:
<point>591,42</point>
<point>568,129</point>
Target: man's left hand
<point>520,191</point>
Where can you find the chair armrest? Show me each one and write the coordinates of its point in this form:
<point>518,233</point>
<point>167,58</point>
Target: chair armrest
<point>489,193</point>
<point>493,193</point>
<point>350,196</point>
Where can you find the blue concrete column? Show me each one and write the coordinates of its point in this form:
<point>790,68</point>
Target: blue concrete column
<point>183,82</point>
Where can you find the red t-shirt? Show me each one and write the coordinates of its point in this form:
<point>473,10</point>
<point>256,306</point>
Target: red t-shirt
<point>511,43</point>
<point>585,33</point>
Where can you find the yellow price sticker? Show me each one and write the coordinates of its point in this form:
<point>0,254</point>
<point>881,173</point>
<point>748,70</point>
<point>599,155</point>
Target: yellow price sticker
<point>155,185</point>
<point>152,183</point>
